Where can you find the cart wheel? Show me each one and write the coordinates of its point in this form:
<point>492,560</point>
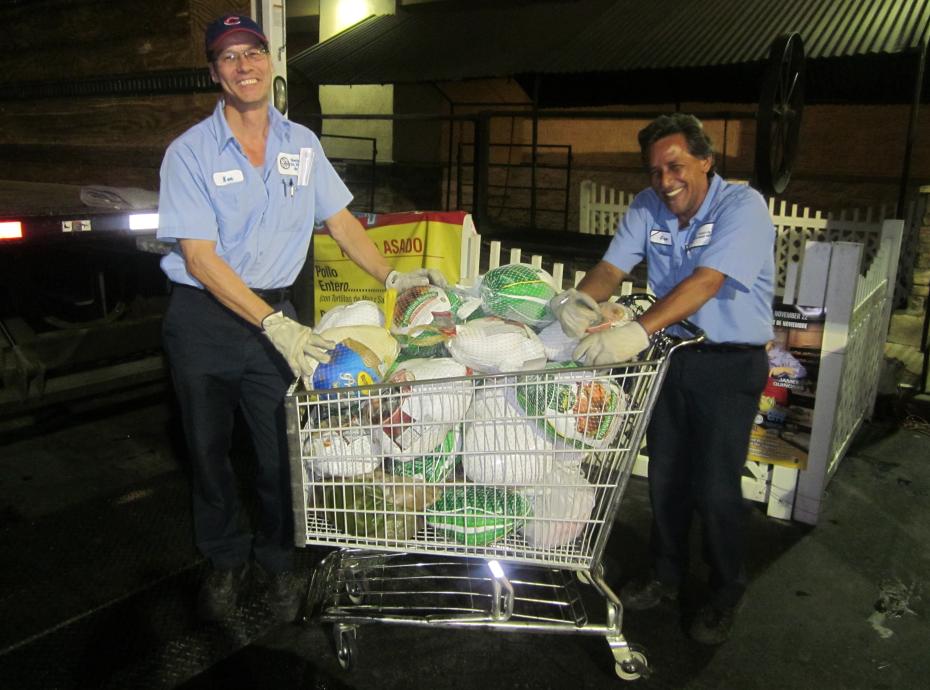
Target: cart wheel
<point>356,588</point>
<point>634,668</point>
<point>346,646</point>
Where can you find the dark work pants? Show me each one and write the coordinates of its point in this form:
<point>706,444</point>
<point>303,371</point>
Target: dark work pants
<point>697,442</point>
<point>219,363</point>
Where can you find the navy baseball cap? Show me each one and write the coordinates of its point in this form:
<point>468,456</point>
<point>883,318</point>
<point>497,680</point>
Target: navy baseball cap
<point>227,24</point>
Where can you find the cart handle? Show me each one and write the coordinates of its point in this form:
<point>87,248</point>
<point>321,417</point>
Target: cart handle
<point>696,333</point>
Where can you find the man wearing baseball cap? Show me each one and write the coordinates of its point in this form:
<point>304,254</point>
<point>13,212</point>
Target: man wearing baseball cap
<point>240,193</point>
<point>229,24</point>
<point>709,251</point>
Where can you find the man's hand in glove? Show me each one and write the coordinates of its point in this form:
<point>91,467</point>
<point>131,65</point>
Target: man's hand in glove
<point>420,277</point>
<point>576,311</point>
<point>618,344</point>
<point>301,347</point>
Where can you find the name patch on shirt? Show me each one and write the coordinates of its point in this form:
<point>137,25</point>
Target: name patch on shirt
<point>660,237</point>
<point>702,236</point>
<point>288,163</point>
<point>221,179</point>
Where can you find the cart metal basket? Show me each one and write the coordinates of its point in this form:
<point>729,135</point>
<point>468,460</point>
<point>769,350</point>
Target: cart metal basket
<point>481,501</point>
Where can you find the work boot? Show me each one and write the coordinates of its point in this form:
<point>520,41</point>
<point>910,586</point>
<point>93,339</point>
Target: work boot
<point>283,591</point>
<point>713,623</point>
<point>219,592</point>
<point>648,593</point>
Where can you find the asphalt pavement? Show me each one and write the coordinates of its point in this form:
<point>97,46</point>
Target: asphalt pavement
<point>100,576</point>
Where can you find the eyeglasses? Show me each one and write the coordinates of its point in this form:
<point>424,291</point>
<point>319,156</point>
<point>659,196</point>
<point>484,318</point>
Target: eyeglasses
<point>231,57</point>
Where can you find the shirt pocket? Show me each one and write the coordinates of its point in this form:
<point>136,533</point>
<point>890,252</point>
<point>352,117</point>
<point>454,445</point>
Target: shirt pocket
<point>229,204</point>
<point>660,248</point>
<point>660,254</point>
<point>297,210</point>
<point>693,255</point>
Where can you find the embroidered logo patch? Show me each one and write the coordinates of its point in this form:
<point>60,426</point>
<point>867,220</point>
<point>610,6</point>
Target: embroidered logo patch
<point>702,236</point>
<point>288,163</point>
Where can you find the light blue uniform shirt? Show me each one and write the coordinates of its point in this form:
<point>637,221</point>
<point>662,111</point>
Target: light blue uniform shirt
<point>732,232</point>
<point>260,218</point>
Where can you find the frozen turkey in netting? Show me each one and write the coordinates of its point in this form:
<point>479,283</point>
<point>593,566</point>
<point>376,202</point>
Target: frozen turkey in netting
<point>501,446</point>
<point>492,345</point>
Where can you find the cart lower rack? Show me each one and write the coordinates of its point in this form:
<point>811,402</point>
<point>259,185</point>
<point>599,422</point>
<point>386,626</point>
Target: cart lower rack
<point>479,501</point>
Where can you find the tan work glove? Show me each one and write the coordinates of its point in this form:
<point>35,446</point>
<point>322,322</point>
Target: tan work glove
<point>420,277</point>
<point>612,345</point>
<point>301,347</point>
<point>576,311</point>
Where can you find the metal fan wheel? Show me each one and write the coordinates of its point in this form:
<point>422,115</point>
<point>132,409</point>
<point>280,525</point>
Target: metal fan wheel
<point>778,119</point>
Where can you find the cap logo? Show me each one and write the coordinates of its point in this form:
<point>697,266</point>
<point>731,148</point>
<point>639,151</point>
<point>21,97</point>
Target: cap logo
<point>232,21</point>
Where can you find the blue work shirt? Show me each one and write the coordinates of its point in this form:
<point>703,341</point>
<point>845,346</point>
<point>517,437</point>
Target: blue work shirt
<point>261,218</point>
<point>731,232</point>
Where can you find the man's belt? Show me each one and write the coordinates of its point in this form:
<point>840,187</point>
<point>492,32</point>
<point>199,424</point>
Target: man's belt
<point>270,295</point>
<point>273,295</point>
<point>724,347</point>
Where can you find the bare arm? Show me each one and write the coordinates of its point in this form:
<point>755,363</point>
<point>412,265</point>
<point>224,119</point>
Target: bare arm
<point>355,242</point>
<point>222,282</point>
<point>601,281</point>
<point>684,300</point>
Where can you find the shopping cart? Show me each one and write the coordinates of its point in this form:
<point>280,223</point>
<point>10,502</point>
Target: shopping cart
<point>474,502</point>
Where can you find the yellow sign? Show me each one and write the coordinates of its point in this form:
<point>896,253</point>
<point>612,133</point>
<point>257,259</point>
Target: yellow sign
<point>768,446</point>
<point>781,434</point>
<point>408,241</point>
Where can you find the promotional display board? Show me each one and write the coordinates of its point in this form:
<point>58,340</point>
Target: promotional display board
<point>782,429</point>
<point>428,239</point>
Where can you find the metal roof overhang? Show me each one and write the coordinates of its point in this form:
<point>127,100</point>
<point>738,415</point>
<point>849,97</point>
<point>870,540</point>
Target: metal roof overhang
<point>601,51</point>
<point>438,46</point>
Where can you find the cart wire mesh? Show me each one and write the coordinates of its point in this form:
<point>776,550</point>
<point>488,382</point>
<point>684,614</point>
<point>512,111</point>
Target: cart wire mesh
<point>525,467</point>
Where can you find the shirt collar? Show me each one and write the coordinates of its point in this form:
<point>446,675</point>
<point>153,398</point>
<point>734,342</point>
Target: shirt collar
<point>221,128</point>
<point>277,125</point>
<point>715,183</point>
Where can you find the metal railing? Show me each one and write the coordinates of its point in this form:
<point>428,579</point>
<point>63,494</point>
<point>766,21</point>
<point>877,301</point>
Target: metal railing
<point>484,163</point>
<point>508,188</point>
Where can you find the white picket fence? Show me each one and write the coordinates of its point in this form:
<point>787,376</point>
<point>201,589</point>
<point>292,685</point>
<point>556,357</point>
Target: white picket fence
<point>601,207</point>
<point>858,308</point>
<point>821,268</point>
<point>470,269</point>
<point>795,227</point>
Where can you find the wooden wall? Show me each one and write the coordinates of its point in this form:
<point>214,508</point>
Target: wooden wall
<point>110,140</point>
